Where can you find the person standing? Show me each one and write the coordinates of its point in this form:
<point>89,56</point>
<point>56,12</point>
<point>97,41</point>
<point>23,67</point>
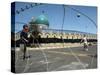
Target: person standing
<point>84,40</point>
<point>24,40</point>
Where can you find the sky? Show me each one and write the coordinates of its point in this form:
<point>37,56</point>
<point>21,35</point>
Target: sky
<point>54,13</point>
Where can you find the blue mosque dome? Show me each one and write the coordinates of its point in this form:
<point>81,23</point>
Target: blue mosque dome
<point>41,20</point>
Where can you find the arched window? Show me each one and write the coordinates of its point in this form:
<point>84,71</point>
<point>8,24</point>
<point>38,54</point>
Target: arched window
<point>54,36</point>
<point>72,37</point>
<point>67,37</point>
<point>47,36</point>
<point>39,36</point>
<point>61,37</point>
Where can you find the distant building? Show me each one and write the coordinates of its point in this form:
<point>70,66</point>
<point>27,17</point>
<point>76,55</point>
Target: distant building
<point>41,25</point>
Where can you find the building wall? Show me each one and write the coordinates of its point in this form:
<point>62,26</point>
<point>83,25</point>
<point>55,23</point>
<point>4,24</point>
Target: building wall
<point>60,35</point>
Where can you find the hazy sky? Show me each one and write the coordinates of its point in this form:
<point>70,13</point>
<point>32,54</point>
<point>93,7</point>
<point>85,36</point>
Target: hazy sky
<point>55,13</point>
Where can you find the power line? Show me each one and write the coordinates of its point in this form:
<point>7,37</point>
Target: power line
<point>83,15</point>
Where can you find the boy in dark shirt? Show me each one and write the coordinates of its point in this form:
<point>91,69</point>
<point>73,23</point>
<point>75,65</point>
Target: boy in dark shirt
<point>24,39</point>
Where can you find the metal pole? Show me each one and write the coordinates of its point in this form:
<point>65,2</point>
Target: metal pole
<point>63,24</point>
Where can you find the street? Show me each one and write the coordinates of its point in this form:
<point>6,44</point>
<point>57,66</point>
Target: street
<point>61,59</point>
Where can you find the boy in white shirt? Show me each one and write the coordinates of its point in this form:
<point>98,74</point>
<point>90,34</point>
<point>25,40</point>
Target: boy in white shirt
<point>84,40</point>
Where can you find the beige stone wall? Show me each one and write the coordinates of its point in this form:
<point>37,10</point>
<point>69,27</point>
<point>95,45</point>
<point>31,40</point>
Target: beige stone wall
<point>59,35</point>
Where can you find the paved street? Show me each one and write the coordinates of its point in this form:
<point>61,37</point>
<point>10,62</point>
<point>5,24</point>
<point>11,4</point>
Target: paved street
<point>56,59</point>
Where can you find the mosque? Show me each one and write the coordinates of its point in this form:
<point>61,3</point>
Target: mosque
<point>39,28</point>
